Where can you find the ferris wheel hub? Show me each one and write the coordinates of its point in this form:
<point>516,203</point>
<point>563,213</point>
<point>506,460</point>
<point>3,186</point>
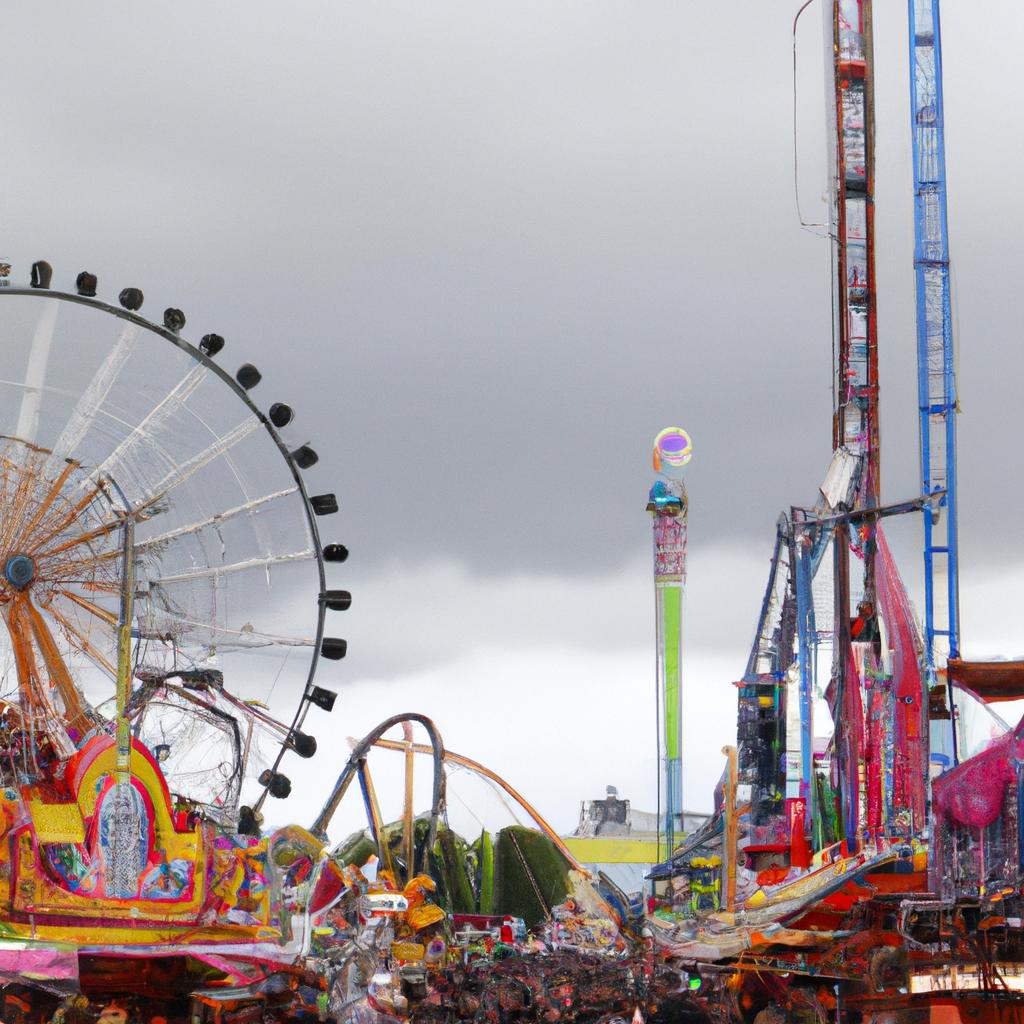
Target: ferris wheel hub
<point>19,571</point>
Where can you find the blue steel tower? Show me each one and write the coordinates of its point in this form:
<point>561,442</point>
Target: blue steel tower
<point>936,378</point>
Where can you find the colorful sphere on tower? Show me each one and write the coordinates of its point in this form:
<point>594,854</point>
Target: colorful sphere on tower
<point>673,449</point>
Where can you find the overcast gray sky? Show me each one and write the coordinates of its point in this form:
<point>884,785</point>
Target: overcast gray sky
<point>487,251</point>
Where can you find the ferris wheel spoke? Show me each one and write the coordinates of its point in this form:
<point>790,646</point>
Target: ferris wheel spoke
<point>171,403</point>
<point>83,538</point>
<point>84,644</point>
<point>74,702</point>
<point>16,507</point>
<point>214,571</point>
<point>69,570</point>
<point>180,474</point>
<point>44,506</point>
<point>75,513</point>
<point>251,637</point>
<point>35,375</point>
<point>214,520</point>
<point>24,658</point>
<point>30,684</point>
<point>94,395</point>
<point>94,609</point>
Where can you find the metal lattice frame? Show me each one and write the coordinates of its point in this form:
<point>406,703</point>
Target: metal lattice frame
<point>936,375</point>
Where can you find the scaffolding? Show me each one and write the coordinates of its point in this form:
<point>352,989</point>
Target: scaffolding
<point>856,391</point>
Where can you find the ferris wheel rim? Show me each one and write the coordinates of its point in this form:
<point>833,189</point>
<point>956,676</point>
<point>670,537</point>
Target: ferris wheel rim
<point>200,357</point>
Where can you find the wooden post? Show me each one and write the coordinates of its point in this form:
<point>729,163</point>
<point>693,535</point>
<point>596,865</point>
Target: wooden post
<point>730,838</point>
<point>408,826</point>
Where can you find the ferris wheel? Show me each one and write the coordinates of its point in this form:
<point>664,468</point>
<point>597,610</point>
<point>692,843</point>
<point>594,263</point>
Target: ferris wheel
<point>162,574</point>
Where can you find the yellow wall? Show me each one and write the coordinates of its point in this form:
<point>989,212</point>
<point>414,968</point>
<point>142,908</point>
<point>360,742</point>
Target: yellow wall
<point>616,850</point>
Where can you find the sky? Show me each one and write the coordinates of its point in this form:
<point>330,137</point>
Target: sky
<point>487,251</point>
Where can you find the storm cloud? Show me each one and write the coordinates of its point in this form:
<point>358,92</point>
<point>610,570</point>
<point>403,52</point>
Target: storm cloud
<point>487,251</point>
